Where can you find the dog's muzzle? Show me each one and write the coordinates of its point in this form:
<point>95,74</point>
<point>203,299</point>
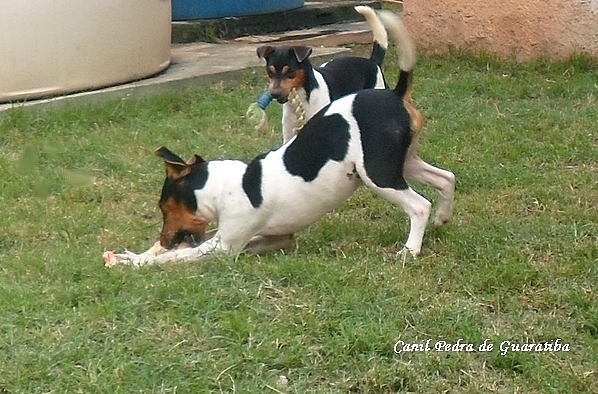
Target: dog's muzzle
<point>192,241</point>
<point>279,97</point>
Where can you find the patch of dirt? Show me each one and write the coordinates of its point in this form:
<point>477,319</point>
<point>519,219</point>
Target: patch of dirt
<point>514,29</point>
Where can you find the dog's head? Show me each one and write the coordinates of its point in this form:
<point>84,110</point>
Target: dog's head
<point>181,221</point>
<point>286,67</point>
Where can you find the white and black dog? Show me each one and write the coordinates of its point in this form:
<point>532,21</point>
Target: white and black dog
<point>369,137</point>
<point>289,68</point>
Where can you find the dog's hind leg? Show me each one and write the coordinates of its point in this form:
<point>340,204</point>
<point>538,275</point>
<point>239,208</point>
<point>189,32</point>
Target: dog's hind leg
<point>442,180</point>
<point>415,206</point>
<point>265,243</point>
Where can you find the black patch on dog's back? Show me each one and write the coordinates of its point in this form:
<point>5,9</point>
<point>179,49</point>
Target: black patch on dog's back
<point>385,136</point>
<point>183,189</point>
<point>323,138</point>
<point>252,181</point>
<point>347,75</point>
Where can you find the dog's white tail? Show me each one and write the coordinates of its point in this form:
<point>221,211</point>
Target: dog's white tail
<point>398,32</point>
<point>380,44</point>
<point>407,59</point>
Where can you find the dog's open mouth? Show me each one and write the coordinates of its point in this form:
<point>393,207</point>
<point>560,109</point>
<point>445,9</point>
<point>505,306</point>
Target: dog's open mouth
<point>188,241</point>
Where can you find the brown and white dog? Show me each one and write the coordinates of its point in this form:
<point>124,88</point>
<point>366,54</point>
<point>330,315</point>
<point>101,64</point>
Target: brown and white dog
<point>369,137</point>
<point>289,68</point>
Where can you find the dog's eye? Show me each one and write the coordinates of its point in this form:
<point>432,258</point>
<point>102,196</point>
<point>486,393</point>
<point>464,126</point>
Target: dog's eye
<point>287,72</point>
<point>290,75</point>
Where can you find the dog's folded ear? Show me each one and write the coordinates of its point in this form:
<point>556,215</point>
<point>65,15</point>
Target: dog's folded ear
<point>301,52</point>
<point>168,156</point>
<point>265,51</point>
<point>176,167</point>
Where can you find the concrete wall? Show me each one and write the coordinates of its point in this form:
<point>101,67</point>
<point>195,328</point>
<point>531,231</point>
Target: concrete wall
<point>516,29</point>
<point>52,47</point>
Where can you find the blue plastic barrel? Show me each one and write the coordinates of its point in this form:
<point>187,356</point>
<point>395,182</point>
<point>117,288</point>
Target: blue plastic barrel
<point>211,9</point>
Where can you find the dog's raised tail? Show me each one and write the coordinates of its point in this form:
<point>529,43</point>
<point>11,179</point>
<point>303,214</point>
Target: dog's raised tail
<point>405,47</point>
<point>407,58</point>
<point>380,44</point>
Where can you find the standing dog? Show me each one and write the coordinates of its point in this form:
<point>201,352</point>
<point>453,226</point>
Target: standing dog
<point>289,68</point>
<point>369,137</point>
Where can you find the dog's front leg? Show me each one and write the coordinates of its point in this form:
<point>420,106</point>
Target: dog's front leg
<point>212,245</point>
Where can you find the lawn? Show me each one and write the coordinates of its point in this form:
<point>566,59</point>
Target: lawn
<point>518,264</point>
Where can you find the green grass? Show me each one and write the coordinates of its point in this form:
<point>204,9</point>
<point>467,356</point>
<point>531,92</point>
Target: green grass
<point>518,262</point>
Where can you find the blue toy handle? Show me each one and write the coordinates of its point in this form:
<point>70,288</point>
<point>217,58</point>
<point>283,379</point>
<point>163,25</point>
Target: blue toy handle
<point>264,100</point>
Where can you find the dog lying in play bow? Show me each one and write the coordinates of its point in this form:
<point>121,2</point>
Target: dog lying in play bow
<point>369,138</point>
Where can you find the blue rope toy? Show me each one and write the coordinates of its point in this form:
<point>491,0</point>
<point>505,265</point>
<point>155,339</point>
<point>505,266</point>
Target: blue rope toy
<point>265,99</point>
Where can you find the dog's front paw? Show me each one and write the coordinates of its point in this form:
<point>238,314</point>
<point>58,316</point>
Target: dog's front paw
<point>128,258</point>
<point>109,258</point>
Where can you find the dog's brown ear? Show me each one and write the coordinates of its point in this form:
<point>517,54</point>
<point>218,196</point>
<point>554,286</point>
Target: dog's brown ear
<point>176,168</point>
<point>195,159</point>
<point>301,52</point>
<point>265,51</point>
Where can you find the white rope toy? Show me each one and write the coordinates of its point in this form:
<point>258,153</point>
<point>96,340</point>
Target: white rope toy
<point>297,103</point>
